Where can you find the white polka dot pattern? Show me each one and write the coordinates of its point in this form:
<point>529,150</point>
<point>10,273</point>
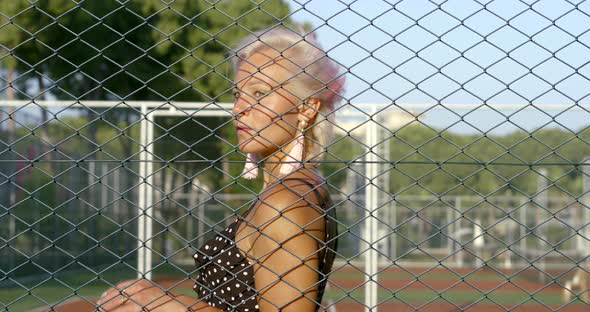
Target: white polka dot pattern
<point>226,277</point>
<point>222,279</point>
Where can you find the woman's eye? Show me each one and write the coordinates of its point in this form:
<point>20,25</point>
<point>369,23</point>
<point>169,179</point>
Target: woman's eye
<point>258,94</point>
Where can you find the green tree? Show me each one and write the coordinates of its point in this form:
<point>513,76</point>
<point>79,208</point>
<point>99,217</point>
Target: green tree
<point>141,50</point>
<point>148,50</point>
<point>483,165</point>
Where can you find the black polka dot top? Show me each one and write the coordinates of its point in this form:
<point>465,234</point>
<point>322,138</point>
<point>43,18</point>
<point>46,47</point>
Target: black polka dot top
<point>226,278</point>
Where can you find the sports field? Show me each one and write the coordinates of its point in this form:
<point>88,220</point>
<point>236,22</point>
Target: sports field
<point>438,289</point>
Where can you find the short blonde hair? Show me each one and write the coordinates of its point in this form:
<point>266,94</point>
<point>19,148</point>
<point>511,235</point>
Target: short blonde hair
<point>320,77</point>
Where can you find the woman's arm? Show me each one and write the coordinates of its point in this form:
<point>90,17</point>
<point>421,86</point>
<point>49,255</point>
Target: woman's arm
<point>133,295</point>
<point>288,231</point>
<point>288,234</point>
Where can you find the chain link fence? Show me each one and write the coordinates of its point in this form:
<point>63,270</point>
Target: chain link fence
<point>460,167</point>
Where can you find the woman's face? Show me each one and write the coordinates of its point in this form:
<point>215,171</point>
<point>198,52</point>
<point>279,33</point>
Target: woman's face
<point>265,109</point>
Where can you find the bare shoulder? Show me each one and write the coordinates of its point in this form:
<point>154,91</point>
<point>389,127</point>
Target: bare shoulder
<point>290,205</point>
<point>293,191</point>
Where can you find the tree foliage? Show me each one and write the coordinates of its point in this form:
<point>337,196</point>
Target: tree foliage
<point>147,50</point>
<point>428,161</point>
<point>150,50</point>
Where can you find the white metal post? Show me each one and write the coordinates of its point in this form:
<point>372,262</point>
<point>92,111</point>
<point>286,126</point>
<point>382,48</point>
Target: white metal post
<point>585,229</point>
<point>94,202</point>
<point>478,243</point>
<point>458,232</point>
<point>382,201</point>
<point>91,186</point>
<point>104,191</point>
<point>449,229</point>
<point>393,220</point>
<point>141,194</point>
<point>149,199</point>
<point>117,188</point>
<point>202,223</point>
<point>370,222</point>
<point>524,231</point>
<point>145,211</point>
<point>543,201</point>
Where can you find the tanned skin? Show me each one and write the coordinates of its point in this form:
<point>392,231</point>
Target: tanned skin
<point>283,231</point>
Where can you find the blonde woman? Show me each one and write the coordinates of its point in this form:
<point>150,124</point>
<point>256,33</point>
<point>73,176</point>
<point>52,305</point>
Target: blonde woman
<point>276,256</point>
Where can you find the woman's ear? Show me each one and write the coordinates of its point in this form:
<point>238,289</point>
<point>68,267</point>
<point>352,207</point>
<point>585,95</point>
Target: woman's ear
<point>309,109</point>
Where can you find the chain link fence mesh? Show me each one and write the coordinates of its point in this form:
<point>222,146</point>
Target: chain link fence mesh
<point>463,185</point>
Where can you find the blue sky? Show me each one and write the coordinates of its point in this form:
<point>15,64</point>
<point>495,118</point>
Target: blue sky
<point>508,53</point>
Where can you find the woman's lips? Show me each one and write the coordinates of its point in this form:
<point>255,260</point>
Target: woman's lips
<point>242,128</point>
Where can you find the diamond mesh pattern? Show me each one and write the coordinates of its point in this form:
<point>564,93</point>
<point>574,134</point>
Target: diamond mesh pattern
<point>463,184</point>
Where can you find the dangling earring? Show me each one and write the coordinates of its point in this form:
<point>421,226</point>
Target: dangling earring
<point>295,155</point>
<point>250,171</point>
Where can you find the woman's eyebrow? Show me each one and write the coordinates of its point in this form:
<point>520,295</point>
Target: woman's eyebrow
<point>253,78</point>
<point>259,82</point>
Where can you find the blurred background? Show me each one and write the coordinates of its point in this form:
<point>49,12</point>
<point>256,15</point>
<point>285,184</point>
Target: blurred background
<point>467,123</point>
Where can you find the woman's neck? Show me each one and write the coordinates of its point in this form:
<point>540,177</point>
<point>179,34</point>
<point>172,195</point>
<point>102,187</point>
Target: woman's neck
<point>271,167</point>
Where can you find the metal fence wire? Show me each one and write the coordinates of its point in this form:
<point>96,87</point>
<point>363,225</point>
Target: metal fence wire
<point>458,170</point>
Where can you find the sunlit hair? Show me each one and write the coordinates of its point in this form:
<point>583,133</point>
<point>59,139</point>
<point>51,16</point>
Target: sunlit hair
<point>319,76</point>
